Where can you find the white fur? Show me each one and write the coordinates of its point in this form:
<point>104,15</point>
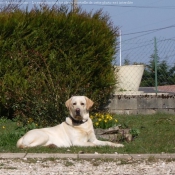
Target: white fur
<point>68,133</point>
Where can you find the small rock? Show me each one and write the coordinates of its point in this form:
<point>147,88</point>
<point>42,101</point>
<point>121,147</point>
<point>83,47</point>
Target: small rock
<point>81,152</point>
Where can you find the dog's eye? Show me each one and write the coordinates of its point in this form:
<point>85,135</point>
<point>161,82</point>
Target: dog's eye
<point>82,104</point>
<point>74,103</point>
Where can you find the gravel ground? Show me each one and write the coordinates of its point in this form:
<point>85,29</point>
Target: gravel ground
<point>54,166</point>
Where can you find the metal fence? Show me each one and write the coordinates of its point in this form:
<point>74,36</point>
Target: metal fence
<point>158,57</point>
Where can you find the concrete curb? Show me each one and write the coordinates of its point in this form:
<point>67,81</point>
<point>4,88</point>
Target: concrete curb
<point>85,156</point>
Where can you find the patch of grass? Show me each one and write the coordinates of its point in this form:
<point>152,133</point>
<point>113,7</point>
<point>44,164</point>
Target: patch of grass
<point>96,162</point>
<point>152,159</point>
<point>1,164</point>
<point>8,137</point>
<point>68,163</point>
<point>156,135</point>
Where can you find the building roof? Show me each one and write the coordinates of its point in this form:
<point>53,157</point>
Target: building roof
<point>161,89</point>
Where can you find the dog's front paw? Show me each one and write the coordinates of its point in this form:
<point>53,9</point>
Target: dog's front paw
<point>117,145</point>
<point>120,145</point>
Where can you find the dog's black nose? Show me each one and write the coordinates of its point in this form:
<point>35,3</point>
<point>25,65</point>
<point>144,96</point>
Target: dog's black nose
<point>78,110</point>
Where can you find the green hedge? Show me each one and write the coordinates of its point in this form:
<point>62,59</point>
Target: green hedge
<point>48,55</point>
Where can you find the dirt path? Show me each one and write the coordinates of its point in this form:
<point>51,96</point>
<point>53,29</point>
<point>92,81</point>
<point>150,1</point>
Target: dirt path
<point>52,166</point>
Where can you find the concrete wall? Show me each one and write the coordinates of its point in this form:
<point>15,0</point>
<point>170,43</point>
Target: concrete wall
<point>142,104</point>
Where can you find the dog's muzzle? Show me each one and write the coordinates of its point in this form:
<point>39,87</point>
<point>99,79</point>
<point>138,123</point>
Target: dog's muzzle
<point>77,114</point>
<point>77,111</point>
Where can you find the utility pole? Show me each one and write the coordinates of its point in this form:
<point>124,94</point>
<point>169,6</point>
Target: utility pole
<point>155,60</point>
<point>120,47</point>
<point>74,5</point>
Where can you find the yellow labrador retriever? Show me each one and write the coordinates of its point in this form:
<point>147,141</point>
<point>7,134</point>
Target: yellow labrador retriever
<point>77,130</point>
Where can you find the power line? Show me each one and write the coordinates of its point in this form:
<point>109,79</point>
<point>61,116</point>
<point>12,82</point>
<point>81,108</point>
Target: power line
<point>152,23</point>
<point>144,45</point>
<point>138,36</point>
<point>153,30</point>
<point>148,32</point>
<point>114,4</point>
<point>140,50</point>
<point>137,47</point>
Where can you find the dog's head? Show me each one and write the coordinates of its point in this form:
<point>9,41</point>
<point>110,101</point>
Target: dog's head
<point>79,107</point>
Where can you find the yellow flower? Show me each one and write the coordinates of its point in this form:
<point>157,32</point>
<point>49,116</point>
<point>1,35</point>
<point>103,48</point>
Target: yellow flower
<point>105,121</point>
<point>116,120</point>
<point>30,120</point>
<point>3,127</point>
<point>99,119</point>
<point>96,123</point>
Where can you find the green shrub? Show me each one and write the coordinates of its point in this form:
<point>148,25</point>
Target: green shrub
<point>48,55</point>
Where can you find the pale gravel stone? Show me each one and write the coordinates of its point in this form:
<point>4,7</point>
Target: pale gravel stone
<point>84,167</point>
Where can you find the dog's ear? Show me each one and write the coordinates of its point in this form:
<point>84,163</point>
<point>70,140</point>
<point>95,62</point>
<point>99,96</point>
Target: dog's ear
<point>89,103</point>
<point>68,103</point>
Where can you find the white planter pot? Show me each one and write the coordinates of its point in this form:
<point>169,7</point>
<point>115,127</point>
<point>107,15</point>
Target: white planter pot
<point>128,77</point>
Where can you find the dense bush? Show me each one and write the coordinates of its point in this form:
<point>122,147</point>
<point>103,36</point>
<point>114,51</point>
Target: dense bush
<point>48,55</point>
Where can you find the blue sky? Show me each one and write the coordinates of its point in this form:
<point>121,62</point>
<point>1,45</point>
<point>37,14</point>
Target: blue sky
<point>137,20</point>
